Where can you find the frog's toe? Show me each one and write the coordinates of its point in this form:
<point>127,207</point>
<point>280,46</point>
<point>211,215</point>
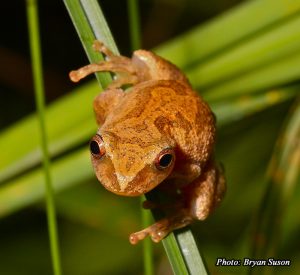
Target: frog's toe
<point>158,235</point>
<point>134,238</point>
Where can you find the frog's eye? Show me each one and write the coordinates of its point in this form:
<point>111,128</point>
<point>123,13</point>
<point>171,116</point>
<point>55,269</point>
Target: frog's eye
<point>97,146</point>
<point>164,159</point>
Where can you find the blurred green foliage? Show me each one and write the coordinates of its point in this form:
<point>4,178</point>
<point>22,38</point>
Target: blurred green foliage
<point>245,62</point>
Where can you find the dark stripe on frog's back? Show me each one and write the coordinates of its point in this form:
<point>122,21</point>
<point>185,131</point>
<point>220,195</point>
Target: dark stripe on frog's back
<point>190,132</point>
<point>127,108</point>
<point>138,98</point>
<point>140,103</point>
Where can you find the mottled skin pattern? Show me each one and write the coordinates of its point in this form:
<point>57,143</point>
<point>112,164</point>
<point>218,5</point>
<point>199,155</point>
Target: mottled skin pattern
<point>159,113</point>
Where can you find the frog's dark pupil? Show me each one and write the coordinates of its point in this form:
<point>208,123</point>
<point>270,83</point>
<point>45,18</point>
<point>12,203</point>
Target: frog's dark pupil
<point>94,147</point>
<point>165,160</point>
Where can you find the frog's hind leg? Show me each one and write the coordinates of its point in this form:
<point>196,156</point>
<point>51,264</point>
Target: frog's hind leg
<point>205,193</point>
<point>200,196</point>
<point>120,65</point>
<point>163,227</point>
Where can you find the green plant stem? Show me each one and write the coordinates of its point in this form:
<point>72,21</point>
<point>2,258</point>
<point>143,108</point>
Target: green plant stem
<point>147,244</point>
<point>180,245</point>
<point>88,31</point>
<point>33,27</point>
<point>134,24</point>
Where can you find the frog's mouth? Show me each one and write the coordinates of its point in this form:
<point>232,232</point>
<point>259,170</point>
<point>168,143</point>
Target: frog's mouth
<point>144,181</point>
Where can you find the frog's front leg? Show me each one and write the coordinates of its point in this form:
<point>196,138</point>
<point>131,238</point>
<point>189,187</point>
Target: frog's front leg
<point>206,192</point>
<point>143,66</point>
<point>201,197</point>
<point>120,65</point>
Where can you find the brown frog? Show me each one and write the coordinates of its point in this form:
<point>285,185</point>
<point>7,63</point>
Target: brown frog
<point>157,132</point>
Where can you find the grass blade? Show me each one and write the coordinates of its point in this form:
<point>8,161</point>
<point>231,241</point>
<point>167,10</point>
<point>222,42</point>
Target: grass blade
<point>185,244</point>
<point>27,189</point>
<point>222,33</point>
<point>180,245</point>
<point>283,176</point>
<point>230,110</point>
<point>61,136</point>
<point>192,257</point>
<point>275,74</point>
<point>134,24</point>
<point>33,27</point>
<point>263,49</point>
<point>174,255</point>
<point>86,30</point>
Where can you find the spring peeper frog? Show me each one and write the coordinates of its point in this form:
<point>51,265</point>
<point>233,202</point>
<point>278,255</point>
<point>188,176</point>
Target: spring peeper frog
<point>158,132</point>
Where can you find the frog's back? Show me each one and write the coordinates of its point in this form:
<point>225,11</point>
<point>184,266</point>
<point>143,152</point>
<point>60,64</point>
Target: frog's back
<point>156,110</point>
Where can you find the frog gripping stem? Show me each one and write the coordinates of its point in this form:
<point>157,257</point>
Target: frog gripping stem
<point>163,227</point>
<point>120,65</point>
<point>157,131</point>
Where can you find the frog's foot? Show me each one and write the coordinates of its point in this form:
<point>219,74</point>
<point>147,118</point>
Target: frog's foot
<point>125,73</point>
<point>162,228</point>
<point>120,65</point>
<point>98,46</point>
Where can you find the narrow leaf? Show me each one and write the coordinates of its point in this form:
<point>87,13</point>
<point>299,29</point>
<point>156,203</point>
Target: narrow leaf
<point>283,176</point>
<point>265,48</point>
<point>221,33</point>
<point>36,60</point>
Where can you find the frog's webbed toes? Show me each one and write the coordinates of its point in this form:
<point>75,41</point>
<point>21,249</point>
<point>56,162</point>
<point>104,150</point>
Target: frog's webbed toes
<point>76,75</point>
<point>162,228</point>
<point>82,72</point>
<point>156,231</point>
<point>99,46</point>
<point>120,65</point>
<point>134,238</point>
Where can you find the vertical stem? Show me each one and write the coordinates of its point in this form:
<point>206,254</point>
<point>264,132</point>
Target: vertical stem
<point>147,245</point>
<point>134,24</point>
<point>135,38</point>
<point>33,28</point>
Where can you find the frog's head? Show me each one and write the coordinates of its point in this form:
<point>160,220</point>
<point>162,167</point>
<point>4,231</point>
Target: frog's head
<point>129,167</point>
